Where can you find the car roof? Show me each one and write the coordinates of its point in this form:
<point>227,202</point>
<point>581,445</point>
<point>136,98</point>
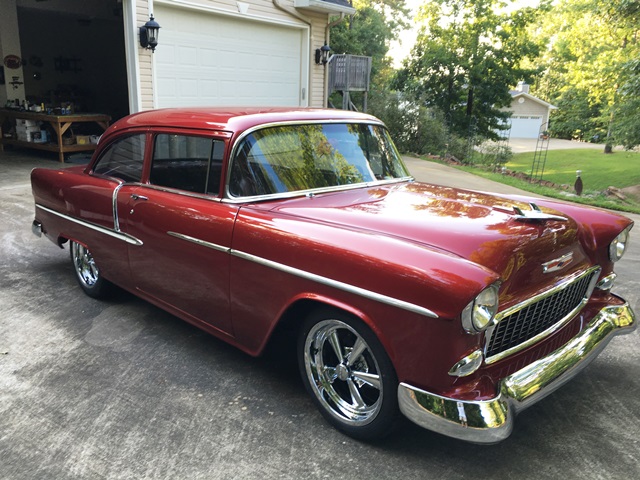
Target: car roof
<point>233,119</point>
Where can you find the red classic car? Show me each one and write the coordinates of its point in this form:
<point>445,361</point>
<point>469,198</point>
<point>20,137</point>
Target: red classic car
<point>456,308</point>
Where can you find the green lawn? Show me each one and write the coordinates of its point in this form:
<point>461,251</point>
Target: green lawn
<point>599,171</point>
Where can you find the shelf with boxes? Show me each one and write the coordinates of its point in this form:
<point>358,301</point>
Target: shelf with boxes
<point>31,131</point>
<point>47,132</point>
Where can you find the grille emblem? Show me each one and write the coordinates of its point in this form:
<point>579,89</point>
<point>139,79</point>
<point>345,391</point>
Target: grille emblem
<point>557,263</point>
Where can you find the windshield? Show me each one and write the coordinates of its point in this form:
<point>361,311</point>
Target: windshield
<point>291,158</point>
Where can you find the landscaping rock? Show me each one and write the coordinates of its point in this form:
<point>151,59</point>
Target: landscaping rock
<point>615,192</point>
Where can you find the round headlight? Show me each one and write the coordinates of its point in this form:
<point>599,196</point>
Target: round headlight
<point>619,245</point>
<point>477,316</point>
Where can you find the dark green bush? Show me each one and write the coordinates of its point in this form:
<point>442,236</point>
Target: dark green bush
<point>414,127</point>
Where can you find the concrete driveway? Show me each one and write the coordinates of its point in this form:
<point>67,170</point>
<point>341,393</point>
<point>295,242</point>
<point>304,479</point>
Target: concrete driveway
<point>121,390</point>
<point>520,145</point>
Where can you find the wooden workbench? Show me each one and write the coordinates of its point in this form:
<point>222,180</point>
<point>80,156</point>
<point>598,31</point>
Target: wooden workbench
<point>59,123</point>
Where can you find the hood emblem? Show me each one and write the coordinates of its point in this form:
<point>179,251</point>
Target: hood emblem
<point>535,214</point>
<point>557,263</point>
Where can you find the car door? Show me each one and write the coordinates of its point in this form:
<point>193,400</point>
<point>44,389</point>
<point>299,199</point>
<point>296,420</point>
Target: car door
<point>120,162</point>
<point>182,263</point>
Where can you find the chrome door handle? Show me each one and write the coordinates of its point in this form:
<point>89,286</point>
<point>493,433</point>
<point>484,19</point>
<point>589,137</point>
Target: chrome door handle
<point>135,196</point>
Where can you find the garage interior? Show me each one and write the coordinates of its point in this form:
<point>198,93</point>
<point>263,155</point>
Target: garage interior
<point>73,54</point>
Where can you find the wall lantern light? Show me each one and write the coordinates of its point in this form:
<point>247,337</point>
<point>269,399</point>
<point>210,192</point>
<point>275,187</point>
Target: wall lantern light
<point>149,34</point>
<point>322,54</point>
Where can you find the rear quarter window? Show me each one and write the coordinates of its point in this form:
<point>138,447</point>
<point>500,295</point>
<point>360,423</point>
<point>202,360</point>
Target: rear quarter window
<point>123,158</point>
<point>187,162</point>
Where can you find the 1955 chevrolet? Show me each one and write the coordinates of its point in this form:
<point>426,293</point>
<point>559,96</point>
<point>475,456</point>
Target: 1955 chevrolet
<point>456,308</point>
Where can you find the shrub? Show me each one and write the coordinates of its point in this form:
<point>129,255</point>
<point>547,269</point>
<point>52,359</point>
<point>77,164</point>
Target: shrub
<point>415,128</point>
<point>494,155</point>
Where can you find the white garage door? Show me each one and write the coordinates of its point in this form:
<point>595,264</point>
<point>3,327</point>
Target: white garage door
<point>523,126</point>
<point>209,60</point>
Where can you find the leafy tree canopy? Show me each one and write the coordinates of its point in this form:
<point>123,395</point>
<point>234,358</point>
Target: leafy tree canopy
<point>369,32</point>
<point>467,56</point>
<point>590,69</point>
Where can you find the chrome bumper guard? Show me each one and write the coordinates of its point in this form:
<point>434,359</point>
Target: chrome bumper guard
<point>491,421</point>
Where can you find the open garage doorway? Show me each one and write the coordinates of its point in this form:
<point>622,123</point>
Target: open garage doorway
<point>73,55</point>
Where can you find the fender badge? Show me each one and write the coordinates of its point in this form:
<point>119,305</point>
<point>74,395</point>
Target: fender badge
<point>558,263</point>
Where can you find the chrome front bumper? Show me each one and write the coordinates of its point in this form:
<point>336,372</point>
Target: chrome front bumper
<point>492,421</point>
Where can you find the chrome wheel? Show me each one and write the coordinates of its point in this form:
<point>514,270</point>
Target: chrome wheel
<point>343,373</point>
<point>86,269</point>
<point>87,272</point>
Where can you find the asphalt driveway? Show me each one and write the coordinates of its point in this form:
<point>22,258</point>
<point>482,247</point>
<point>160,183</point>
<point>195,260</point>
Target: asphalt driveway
<point>119,389</point>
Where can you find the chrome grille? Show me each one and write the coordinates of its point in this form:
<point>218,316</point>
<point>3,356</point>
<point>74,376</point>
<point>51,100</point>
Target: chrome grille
<point>534,318</point>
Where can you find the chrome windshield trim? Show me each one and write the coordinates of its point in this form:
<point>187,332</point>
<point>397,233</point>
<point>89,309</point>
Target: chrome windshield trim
<point>197,241</point>
<point>228,198</point>
<point>378,297</point>
<point>313,191</point>
<point>555,327</point>
<point>98,228</point>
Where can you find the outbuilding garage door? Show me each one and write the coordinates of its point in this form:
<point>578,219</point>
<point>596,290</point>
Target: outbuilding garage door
<point>523,126</point>
<point>208,60</point>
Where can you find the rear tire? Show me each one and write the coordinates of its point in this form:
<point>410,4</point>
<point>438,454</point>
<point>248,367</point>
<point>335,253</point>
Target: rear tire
<point>348,374</point>
<point>87,272</point>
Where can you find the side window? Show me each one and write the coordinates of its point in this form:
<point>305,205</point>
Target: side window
<point>187,163</point>
<point>123,159</point>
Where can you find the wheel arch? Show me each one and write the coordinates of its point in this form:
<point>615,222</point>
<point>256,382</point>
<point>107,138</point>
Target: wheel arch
<point>62,239</point>
<point>291,318</point>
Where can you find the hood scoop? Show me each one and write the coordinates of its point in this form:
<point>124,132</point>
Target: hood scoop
<point>535,214</point>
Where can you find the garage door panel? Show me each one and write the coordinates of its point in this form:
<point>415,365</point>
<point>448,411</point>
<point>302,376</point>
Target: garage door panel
<point>209,89</point>
<point>167,87</point>
<point>188,56</point>
<point>188,88</point>
<point>523,126</point>
<point>207,59</point>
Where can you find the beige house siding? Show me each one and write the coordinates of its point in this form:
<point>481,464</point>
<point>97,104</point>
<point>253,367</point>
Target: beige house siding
<point>144,59</point>
<point>529,107</point>
<point>262,8</point>
<point>318,72</point>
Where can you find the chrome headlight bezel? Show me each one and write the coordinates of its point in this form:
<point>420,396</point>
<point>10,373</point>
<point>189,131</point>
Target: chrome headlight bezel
<point>618,245</point>
<point>478,315</point>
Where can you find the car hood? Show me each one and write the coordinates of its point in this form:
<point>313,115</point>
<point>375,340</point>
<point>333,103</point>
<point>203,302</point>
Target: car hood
<point>480,227</point>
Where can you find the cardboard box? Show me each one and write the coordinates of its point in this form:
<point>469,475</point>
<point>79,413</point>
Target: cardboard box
<point>83,139</point>
<point>25,136</point>
<point>26,123</point>
<point>40,136</point>
<point>27,128</point>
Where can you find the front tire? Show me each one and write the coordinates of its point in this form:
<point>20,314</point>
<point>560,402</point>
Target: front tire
<point>87,272</point>
<point>348,374</point>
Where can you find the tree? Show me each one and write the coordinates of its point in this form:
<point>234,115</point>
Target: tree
<point>626,128</point>
<point>589,69</point>
<point>369,32</point>
<point>467,56</point>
